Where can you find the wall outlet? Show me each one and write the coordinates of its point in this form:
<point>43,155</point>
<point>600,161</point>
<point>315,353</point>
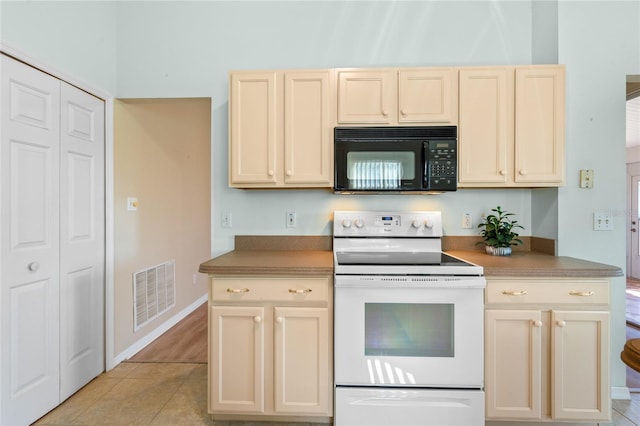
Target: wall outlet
<point>467,221</point>
<point>226,220</point>
<point>586,178</point>
<point>291,219</point>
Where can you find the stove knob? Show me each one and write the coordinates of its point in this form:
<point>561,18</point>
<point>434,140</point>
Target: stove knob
<point>346,223</point>
<point>428,223</point>
<point>416,223</point>
<point>359,223</point>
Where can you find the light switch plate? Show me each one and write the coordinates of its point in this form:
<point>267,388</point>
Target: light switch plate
<point>602,221</point>
<point>132,204</point>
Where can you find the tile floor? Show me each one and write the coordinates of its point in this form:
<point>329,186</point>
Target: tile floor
<point>142,394</point>
<point>175,394</point>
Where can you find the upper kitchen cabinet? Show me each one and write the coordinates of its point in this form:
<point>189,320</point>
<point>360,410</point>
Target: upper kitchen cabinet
<point>280,129</point>
<point>511,126</point>
<point>397,96</point>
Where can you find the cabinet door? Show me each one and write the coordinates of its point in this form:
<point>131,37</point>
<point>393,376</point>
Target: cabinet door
<point>580,365</point>
<point>513,349</point>
<point>302,376</point>
<point>367,97</point>
<point>236,359</point>
<point>308,137</point>
<point>428,96</point>
<point>485,131</point>
<point>253,128</point>
<point>539,125</point>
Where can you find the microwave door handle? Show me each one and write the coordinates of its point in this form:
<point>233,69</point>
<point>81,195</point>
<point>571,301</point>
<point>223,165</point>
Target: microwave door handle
<point>425,165</point>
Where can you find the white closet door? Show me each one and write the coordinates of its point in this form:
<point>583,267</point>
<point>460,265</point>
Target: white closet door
<point>81,239</point>
<point>29,251</point>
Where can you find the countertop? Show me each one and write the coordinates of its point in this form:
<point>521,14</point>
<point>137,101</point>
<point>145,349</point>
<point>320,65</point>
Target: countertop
<point>271,262</point>
<point>533,264</point>
<point>320,262</point>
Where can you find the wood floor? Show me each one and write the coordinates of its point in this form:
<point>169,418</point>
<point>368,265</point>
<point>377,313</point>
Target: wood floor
<point>184,342</point>
<point>633,327</point>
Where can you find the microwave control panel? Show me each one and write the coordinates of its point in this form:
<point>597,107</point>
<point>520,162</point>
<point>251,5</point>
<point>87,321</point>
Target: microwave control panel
<point>441,165</point>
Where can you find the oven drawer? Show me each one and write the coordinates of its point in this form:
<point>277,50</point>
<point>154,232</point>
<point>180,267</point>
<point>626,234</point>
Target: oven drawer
<point>260,289</point>
<point>550,291</point>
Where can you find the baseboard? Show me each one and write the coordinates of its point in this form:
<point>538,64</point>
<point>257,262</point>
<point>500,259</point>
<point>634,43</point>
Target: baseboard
<point>149,338</point>
<point>620,392</point>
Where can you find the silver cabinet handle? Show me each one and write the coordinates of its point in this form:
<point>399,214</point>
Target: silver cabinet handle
<point>582,293</point>
<point>237,290</point>
<point>300,290</point>
<point>514,292</point>
<point>33,266</point>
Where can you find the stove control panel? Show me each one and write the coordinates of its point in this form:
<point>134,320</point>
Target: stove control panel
<point>388,224</point>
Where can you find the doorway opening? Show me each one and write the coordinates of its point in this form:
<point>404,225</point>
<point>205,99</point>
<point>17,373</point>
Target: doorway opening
<point>633,225</point>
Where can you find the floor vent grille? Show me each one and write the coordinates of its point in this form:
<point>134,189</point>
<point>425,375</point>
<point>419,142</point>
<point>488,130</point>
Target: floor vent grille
<point>154,292</point>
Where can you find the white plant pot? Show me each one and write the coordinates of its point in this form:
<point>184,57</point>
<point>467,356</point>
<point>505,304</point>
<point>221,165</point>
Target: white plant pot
<point>498,251</point>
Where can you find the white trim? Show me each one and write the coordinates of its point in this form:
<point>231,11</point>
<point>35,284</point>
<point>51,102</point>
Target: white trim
<point>109,224</point>
<point>162,328</point>
<point>33,62</point>
<point>108,147</point>
<point>620,392</point>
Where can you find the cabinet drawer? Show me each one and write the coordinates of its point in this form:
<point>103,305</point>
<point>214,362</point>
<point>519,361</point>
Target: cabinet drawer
<point>247,289</point>
<point>583,292</point>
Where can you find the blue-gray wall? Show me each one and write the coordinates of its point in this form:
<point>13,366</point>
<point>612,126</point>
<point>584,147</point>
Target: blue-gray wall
<point>186,49</point>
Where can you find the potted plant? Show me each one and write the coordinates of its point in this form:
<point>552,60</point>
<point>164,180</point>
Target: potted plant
<point>498,232</point>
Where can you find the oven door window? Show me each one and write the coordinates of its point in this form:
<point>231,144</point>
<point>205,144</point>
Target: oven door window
<point>409,329</point>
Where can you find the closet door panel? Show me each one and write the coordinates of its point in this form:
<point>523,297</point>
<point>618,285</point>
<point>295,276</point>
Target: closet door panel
<point>29,248</point>
<point>81,239</point>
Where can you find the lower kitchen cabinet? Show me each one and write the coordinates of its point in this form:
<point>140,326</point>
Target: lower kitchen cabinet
<point>270,348</point>
<point>547,349</point>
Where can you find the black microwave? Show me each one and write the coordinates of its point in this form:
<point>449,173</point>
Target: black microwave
<point>395,159</point>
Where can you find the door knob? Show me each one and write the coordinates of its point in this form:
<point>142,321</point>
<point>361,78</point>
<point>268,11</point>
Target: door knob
<point>33,266</point>
<point>633,229</point>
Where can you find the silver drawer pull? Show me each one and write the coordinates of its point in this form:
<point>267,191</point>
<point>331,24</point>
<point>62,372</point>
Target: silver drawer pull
<point>300,290</point>
<point>514,292</point>
<point>237,290</point>
<point>582,293</point>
